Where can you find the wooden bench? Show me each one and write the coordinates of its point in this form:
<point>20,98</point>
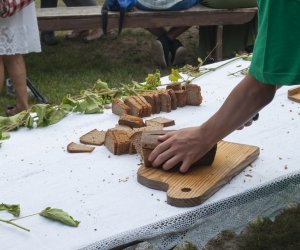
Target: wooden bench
<point>81,18</point>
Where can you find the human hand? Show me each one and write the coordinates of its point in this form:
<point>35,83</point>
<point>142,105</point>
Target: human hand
<point>184,146</point>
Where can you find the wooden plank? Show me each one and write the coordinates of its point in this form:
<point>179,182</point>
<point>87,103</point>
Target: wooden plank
<point>200,183</point>
<point>294,94</point>
<point>72,18</point>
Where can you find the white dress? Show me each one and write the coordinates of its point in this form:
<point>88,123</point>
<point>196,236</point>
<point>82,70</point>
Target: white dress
<point>19,34</point>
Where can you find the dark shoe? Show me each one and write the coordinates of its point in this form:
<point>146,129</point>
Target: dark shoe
<point>178,53</point>
<point>48,38</point>
<point>161,50</point>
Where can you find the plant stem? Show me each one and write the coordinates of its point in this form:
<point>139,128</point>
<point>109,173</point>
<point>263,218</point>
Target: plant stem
<point>14,224</point>
<point>20,218</point>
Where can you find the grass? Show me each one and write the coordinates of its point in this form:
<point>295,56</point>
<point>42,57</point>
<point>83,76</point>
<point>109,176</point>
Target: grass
<point>72,66</point>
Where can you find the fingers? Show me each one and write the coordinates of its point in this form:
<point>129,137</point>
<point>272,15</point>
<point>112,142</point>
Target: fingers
<point>166,136</point>
<point>185,166</point>
<point>170,163</point>
<point>158,155</point>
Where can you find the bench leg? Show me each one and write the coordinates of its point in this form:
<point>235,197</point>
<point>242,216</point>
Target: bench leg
<point>219,43</point>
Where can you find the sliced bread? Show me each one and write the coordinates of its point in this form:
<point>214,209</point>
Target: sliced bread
<point>136,108</point>
<point>119,108</point>
<point>94,137</point>
<point>165,122</point>
<point>79,148</point>
<point>181,97</point>
<point>131,121</point>
<point>193,92</point>
<point>117,141</point>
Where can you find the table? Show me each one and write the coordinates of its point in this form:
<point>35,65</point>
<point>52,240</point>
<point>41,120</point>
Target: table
<point>101,190</point>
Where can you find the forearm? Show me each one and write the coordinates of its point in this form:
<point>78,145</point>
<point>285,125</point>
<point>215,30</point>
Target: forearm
<point>245,100</point>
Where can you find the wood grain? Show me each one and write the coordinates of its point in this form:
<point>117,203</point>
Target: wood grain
<point>294,94</point>
<point>199,183</point>
<point>88,17</point>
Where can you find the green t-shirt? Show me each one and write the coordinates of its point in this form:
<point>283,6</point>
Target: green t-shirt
<point>276,55</point>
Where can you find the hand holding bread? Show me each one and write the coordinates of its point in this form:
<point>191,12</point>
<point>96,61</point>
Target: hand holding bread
<point>185,147</point>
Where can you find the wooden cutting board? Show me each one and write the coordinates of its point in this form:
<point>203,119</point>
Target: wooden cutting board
<point>198,184</point>
<point>294,94</point>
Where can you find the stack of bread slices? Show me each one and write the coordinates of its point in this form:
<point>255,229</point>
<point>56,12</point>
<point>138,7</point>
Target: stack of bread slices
<point>125,137</point>
<point>153,102</point>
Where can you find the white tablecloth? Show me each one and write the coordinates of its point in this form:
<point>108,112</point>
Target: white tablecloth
<point>101,190</point>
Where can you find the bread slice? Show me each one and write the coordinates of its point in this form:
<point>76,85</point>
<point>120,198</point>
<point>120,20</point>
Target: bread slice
<point>181,97</point>
<point>165,101</point>
<point>79,148</point>
<point>149,97</point>
<point>119,108</point>
<point>175,86</point>
<point>157,102</point>
<point>136,108</point>
<point>147,109</point>
<point>173,99</point>
<point>117,141</point>
<point>131,121</point>
<point>94,137</point>
<point>193,92</point>
<point>160,120</point>
<point>123,127</point>
<point>135,138</point>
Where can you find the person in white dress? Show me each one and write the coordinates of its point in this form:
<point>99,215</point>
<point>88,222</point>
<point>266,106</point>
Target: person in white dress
<point>19,35</point>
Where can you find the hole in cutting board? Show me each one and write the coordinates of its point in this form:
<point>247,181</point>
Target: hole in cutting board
<point>185,190</point>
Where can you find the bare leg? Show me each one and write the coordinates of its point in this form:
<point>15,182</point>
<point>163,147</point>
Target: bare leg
<point>17,71</point>
<point>1,74</point>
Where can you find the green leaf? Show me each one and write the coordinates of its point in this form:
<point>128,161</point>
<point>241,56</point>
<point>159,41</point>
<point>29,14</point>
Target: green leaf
<point>13,209</point>
<point>4,135</point>
<point>69,101</point>
<point>59,215</point>
<point>101,85</point>
<point>13,121</point>
<point>54,115</point>
<point>29,122</point>
<point>153,80</point>
<point>41,110</point>
<point>174,76</point>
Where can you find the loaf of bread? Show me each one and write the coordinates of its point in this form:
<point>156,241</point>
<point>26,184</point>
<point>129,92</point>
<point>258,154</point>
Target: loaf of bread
<point>149,141</point>
<point>117,141</point>
<point>119,108</point>
<point>94,137</point>
<point>131,121</point>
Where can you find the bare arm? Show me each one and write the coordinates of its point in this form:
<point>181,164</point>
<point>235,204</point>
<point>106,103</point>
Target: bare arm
<point>190,144</point>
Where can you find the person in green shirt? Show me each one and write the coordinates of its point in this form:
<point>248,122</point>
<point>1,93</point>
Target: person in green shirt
<point>275,62</point>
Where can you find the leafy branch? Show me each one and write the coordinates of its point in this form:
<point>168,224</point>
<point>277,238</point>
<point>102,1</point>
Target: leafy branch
<point>49,213</point>
<point>90,101</point>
